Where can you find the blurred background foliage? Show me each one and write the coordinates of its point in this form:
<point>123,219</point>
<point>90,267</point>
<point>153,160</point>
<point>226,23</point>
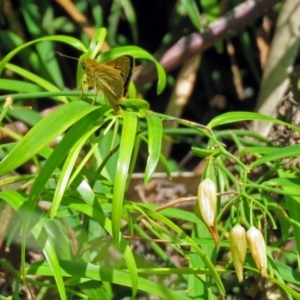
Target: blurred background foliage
<point>214,52</point>
<point>224,77</point>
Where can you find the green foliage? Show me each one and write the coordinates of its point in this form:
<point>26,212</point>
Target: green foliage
<point>88,228</point>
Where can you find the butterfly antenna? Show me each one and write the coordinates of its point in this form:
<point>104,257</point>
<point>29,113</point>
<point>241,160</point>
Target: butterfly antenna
<point>66,55</point>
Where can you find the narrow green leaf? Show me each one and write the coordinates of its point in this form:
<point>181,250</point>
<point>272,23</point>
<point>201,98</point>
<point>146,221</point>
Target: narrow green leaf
<point>289,151</point>
<point>137,52</point>
<point>291,292</point>
<point>26,115</point>
<point>244,116</point>
<point>57,156</point>
<point>44,133</point>
<point>107,224</point>
<point>97,42</point>
<point>293,203</point>
<point>77,269</point>
<point>258,150</point>
<point>67,170</point>
<point>135,104</point>
<point>155,129</point>
<point>206,152</point>
<point>288,273</point>
<point>213,272</point>
<point>131,18</point>
<point>283,181</point>
<point>60,241</point>
<point>126,148</point>
<point>249,55</point>
<point>19,86</point>
<point>36,79</point>
<point>93,290</point>
<point>13,198</point>
<point>193,12</point>
<point>45,243</point>
<point>59,38</point>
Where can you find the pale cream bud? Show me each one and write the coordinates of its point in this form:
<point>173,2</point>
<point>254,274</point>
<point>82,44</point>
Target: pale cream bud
<point>257,248</point>
<point>238,247</point>
<point>207,201</point>
<point>206,206</point>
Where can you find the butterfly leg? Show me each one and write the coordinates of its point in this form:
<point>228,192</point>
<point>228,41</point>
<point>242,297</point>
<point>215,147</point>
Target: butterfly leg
<point>96,92</point>
<point>84,81</point>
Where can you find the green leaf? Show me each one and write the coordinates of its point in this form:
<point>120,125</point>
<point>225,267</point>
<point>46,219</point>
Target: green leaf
<point>49,67</point>
<point>59,38</point>
<point>93,290</point>
<point>206,152</point>
<point>135,104</point>
<point>244,116</point>
<point>78,269</point>
<point>45,243</point>
<point>88,116</point>
<point>67,169</point>
<point>289,151</point>
<point>136,52</point>
<point>28,116</point>
<point>19,86</point>
<point>13,198</point>
<point>292,294</point>
<point>289,274</point>
<point>96,43</point>
<point>44,133</point>
<point>283,181</point>
<point>193,12</point>
<point>125,152</point>
<point>154,215</point>
<point>258,150</point>
<point>131,18</point>
<point>293,202</point>
<point>107,224</point>
<point>36,79</point>
<point>155,130</point>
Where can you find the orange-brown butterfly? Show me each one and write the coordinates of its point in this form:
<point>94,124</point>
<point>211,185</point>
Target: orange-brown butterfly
<point>112,78</point>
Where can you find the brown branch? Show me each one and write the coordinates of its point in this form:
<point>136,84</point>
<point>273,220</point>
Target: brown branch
<point>189,199</point>
<point>226,26</point>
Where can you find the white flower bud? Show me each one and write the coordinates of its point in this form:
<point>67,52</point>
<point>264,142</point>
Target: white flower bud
<point>207,201</point>
<point>206,207</point>
<point>238,247</point>
<point>257,248</point>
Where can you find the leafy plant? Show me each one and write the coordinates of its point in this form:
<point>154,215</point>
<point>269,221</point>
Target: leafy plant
<point>73,208</point>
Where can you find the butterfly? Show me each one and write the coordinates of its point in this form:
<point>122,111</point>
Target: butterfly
<point>112,78</point>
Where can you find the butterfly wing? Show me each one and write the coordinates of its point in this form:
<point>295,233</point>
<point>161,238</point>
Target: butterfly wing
<point>123,64</point>
<point>109,81</point>
<point>111,78</point>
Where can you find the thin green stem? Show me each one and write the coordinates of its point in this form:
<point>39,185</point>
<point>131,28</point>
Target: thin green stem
<point>263,208</point>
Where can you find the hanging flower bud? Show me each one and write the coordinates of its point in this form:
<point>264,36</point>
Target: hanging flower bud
<point>257,248</point>
<point>206,206</point>
<point>207,201</point>
<point>238,247</point>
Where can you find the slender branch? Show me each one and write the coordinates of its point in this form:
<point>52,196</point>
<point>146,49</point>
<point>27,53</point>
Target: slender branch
<point>189,199</point>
